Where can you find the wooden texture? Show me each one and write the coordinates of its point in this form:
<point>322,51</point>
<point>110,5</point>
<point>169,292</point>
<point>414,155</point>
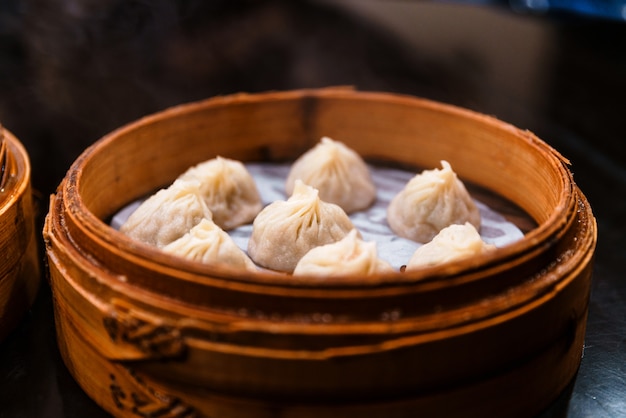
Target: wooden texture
<point>19,263</point>
<point>144,331</point>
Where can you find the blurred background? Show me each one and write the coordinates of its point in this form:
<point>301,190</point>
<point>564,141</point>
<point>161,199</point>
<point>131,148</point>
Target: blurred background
<point>73,70</point>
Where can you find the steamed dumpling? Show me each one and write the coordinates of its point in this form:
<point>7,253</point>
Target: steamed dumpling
<point>286,230</point>
<point>167,215</point>
<point>349,256</point>
<point>452,243</point>
<point>429,202</point>
<point>338,172</point>
<point>208,243</point>
<point>228,190</point>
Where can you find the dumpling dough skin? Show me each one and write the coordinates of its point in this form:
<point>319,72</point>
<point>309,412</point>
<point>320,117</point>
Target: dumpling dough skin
<point>349,256</point>
<point>431,201</point>
<point>338,172</point>
<point>228,190</point>
<point>167,215</point>
<point>209,244</point>
<point>286,230</point>
<point>452,243</point>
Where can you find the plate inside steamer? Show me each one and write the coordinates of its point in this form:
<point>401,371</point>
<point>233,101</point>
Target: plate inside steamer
<point>496,228</point>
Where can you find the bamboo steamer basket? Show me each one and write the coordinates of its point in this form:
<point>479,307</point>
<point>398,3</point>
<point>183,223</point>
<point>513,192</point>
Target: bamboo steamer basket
<point>144,332</point>
<point>19,260</point>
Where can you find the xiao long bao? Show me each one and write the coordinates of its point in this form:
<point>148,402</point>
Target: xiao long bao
<point>431,201</point>
<point>285,231</point>
<point>207,243</point>
<point>349,256</point>
<point>168,214</point>
<point>452,243</point>
<point>338,172</point>
<point>228,190</point>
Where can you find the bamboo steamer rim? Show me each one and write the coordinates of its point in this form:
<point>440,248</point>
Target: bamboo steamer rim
<point>19,171</point>
<point>533,291</point>
<point>540,237</point>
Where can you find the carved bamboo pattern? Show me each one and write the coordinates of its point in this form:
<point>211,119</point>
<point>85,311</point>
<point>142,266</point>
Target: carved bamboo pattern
<point>151,337</point>
<point>145,401</point>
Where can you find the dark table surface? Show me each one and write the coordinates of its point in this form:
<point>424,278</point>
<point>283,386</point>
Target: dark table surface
<point>71,71</point>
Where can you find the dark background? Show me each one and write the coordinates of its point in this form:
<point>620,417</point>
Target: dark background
<point>73,70</point>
